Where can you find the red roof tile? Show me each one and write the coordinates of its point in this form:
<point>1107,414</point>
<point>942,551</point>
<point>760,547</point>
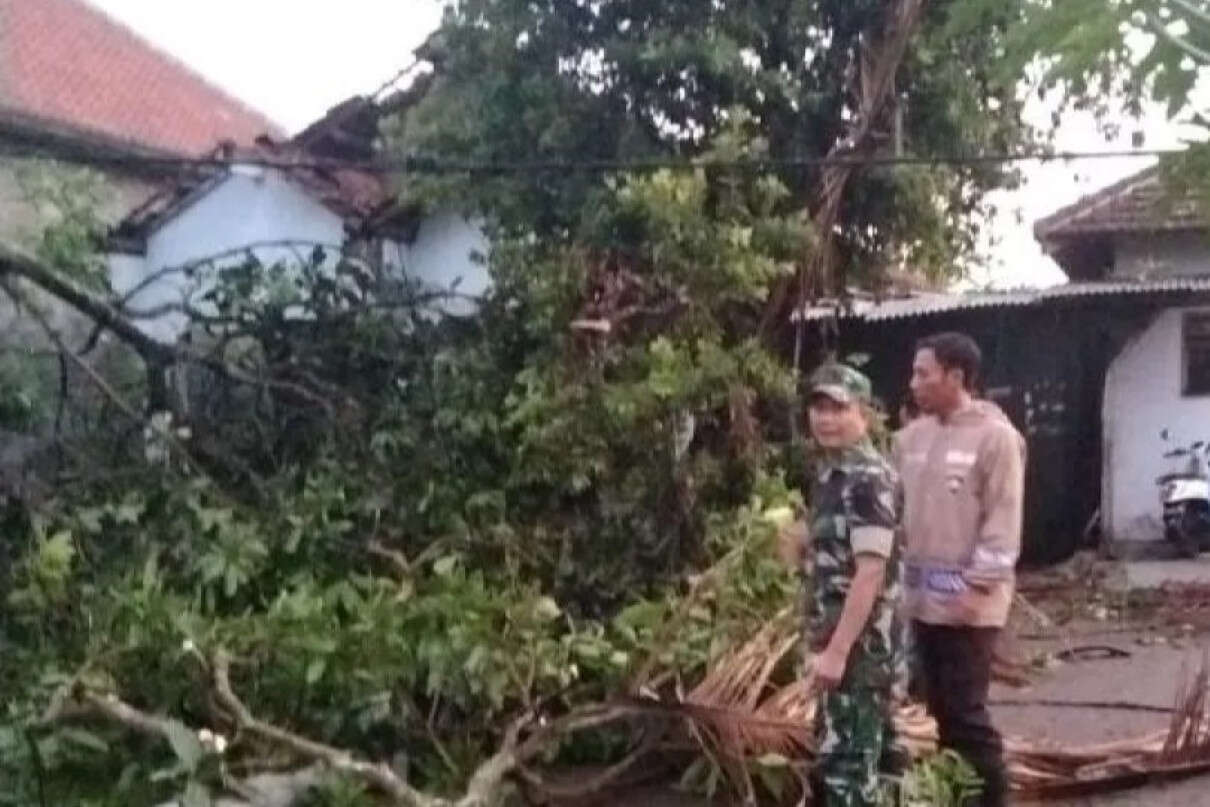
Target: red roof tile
<point>66,62</point>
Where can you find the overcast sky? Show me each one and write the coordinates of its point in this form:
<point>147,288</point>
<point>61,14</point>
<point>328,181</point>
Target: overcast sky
<point>294,60</point>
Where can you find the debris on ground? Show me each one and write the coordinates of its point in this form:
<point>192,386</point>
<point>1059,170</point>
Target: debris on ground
<point>1079,622</point>
<point>740,715</point>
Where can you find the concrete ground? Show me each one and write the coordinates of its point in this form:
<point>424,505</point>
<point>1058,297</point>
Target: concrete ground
<point>1149,677</point>
<point>1154,573</point>
<point>1165,650</point>
<point>1096,607</point>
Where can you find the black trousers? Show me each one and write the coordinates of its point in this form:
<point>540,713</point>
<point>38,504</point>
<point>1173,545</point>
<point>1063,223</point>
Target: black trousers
<point>955,667</point>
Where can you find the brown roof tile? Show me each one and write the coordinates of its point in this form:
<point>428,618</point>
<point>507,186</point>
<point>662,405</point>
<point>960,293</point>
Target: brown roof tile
<point>355,195</point>
<point>65,62</point>
<point>1138,203</point>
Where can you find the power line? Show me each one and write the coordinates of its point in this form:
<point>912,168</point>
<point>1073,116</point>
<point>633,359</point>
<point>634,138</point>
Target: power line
<point>440,166</point>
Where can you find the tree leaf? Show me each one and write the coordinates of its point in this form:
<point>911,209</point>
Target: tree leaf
<point>443,567</point>
<point>128,513</point>
<point>185,745</point>
<point>547,608</point>
<point>85,739</point>
<point>196,795</point>
<point>315,670</point>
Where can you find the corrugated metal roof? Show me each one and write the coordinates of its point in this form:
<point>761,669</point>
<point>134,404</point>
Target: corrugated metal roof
<point>921,305</point>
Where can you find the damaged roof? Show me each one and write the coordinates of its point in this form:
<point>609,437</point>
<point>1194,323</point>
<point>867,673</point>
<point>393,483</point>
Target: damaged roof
<point>316,159</point>
<point>356,196</point>
<point>1138,203</point>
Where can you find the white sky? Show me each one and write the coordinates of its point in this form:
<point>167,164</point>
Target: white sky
<point>290,59</point>
<point>294,60</point>
<point>1012,257</point>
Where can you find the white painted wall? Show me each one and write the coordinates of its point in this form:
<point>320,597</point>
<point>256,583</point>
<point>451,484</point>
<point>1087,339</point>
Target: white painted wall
<point>251,206</point>
<point>448,249</point>
<point>1142,398</point>
<point>256,206</point>
<point>1162,255</point>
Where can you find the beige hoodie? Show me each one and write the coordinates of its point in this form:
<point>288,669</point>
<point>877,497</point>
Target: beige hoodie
<point>963,484</point>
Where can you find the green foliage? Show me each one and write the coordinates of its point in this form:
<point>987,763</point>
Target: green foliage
<point>943,780</point>
<point>621,80</point>
<point>421,526</point>
<point>1099,54</point>
<point>1121,54</point>
<point>338,793</point>
<point>407,528</point>
<point>66,202</point>
<point>27,389</point>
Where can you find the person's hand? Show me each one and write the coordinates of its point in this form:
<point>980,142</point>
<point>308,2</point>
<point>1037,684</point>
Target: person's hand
<point>829,668</point>
<point>977,584</point>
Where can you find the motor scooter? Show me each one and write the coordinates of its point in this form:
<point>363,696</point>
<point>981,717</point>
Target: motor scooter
<point>1185,498</point>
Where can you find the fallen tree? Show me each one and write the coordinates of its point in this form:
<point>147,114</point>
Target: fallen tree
<point>336,545</point>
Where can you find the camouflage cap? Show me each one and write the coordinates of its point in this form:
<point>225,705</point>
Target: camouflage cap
<point>841,383</point>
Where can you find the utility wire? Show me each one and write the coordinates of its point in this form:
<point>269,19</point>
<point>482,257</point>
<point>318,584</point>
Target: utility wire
<point>439,166</point>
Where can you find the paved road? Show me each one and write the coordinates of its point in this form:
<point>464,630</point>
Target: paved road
<point>1153,573</point>
<point>1150,676</point>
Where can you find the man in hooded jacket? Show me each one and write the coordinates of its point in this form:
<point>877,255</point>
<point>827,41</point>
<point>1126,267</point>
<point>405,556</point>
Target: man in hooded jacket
<point>962,472</point>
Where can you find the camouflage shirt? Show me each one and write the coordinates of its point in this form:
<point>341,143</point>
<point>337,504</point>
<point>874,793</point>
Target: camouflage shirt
<point>853,510</point>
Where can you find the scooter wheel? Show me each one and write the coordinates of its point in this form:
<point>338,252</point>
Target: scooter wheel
<point>1184,539</point>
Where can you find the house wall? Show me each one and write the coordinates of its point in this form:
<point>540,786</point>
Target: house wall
<point>445,252</point>
<point>1142,398</point>
<point>258,207</point>
<point>250,207</point>
<point>1164,255</point>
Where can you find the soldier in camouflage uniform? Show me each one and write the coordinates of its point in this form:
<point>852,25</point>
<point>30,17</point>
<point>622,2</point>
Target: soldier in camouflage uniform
<point>852,574</point>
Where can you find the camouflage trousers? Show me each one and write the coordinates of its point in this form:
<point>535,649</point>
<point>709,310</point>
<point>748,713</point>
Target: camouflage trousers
<point>856,738</point>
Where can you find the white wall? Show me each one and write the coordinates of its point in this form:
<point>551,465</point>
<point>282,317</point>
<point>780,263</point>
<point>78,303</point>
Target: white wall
<point>1142,398</point>
<point>255,206</point>
<point>251,206</point>
<point>1162,255</point>
<point>448,249</point>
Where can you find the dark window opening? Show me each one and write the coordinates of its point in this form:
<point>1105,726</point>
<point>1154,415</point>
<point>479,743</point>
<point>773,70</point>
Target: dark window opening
<point>1197,353</point>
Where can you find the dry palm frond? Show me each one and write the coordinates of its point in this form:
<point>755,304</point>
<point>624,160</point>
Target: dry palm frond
<point>736,715</point>
<point>1187,733</point>
<point>726,706</point>
<point>1181,750</point>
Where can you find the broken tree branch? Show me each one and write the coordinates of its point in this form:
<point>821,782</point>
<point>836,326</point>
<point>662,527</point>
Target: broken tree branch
<point>16,263</point>
<point>97,379</point>
<point>378,775</point>
<point>879,65</point>
<point>597,782</point>
<point>486,783</point>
